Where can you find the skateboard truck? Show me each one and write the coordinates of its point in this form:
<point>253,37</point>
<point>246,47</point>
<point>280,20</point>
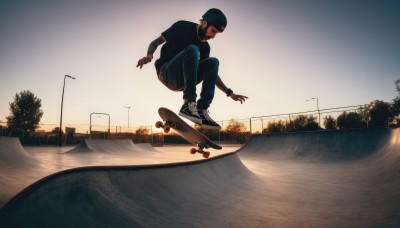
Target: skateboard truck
<point>190,134</point>
<point>200,150</point>
<point>166,125</point>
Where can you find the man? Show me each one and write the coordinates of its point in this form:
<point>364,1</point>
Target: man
<point>185,62</point>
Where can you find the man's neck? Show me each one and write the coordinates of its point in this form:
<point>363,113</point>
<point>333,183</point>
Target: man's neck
<point>197,32</point>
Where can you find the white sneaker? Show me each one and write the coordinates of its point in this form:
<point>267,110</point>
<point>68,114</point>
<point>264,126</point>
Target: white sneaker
<point>189,111</point>
<point>207,121</point>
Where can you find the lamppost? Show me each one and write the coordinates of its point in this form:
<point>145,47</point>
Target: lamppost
<point>62,102</point>
<point>127,107</point>
<point>98,113</point>
<point>319,114</point>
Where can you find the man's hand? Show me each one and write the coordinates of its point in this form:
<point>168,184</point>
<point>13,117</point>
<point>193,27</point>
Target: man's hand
<point>144,60</point>
<point>237,97</point>
<point>150,51</point>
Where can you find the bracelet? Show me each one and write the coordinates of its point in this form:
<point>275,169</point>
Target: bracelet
<point>229,92</point>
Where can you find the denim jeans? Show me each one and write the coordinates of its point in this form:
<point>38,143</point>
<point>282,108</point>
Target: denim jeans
<point>185,71</point>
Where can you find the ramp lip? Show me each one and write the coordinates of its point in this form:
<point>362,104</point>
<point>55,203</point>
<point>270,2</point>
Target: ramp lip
<point>26,191</point>
<point>13,153</point>
<point>317,146</point>
<point>109,146</point>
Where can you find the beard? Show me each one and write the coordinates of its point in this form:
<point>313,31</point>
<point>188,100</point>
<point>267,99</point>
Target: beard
<point>202,33</point>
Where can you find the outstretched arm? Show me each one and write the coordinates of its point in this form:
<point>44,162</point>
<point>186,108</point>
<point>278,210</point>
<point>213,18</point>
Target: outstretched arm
<point>150,51</point>
<point>236,97</point>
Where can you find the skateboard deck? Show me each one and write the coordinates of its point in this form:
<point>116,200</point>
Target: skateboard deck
<point>172,120</point>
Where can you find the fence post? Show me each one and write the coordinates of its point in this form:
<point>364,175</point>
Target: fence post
<point>251,130</point>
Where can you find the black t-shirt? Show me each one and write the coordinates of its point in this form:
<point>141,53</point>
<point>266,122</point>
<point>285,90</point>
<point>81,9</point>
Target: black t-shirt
<point>178,37</point>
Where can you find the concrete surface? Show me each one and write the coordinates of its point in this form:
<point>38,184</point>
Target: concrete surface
<point>316,179</point>
<point>12,154</point>
<point>21,167</point>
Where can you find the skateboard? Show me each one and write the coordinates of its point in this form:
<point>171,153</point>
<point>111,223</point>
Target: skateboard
<point>171,120</point>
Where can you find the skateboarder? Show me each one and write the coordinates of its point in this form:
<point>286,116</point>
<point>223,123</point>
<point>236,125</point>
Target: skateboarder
<point>185,62</point>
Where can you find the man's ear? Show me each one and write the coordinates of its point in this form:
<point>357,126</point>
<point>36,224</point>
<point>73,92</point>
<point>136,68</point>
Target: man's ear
<point>204,23</point>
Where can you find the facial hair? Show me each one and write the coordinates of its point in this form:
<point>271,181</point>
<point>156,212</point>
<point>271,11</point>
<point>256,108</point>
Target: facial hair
<point>202,33</point>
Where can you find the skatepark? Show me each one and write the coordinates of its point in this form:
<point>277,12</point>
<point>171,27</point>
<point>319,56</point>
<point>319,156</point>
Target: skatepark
<point>341,178</point>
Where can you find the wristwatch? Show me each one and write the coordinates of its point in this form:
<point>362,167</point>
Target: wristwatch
<point>229,92</point>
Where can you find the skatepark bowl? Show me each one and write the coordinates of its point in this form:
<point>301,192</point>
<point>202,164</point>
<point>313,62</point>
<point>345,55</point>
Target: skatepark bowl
<point>343,178</point>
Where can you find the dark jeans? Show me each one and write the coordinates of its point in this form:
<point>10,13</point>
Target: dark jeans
<point>185,71</point>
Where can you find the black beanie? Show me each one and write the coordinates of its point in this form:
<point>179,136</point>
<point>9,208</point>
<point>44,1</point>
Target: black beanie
<point>216,18</point>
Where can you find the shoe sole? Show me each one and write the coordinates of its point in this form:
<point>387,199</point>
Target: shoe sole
<point>209,127</point>
<point>191,118</point>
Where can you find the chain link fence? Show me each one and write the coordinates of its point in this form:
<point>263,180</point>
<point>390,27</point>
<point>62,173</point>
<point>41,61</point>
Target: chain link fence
<point>259,124</point>
<point>48,134</point>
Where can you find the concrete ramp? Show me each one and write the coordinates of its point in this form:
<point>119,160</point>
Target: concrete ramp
<point>12,154</point>
<point>318,179</point>
<point>141,196</point>
<point>318,146</point>
<point>147,147</point>
<point>110,146</point>
<point>15,161</point>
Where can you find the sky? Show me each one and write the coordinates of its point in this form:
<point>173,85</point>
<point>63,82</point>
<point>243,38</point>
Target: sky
<point>278,53</point>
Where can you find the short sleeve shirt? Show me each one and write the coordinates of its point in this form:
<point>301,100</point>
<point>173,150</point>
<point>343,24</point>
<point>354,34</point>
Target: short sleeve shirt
<point>180,35</point>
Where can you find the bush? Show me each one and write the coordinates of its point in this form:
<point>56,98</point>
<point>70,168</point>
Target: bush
<point>300,123</point>
<point>395,112</point>
<point>330,123</point>
<point>350,120</point>
<point>275,127</point>
<point>379,114</point>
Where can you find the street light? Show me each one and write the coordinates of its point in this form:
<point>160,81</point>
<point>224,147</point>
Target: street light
<point>99,113</point>
<point>128,107</point>
<point>262,124</point>
<point>319,114</point>
<point>62,102</point>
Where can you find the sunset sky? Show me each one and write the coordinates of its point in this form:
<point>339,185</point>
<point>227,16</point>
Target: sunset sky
<point>278,53</point>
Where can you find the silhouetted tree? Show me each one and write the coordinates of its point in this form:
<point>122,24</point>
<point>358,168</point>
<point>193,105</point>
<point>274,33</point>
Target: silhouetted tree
<point>142,131</point>
<point>330,123</point>
<point>364,114</point>
<point>141,134</point>
<point>397,83</point>
<point>25,112</point>
<point>395,111</point>
<point>395,107</point>
<point>275,127</point>
<point>350,120</point>
<point>236,129</point>
<point>56,130</point>
<point>379,114</point>
<point>305,123</point>
<point>235,126</point>
<point>300,123</point>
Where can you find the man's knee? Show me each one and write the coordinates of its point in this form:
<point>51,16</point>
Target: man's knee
<point>214,62</point>
<point>211,64</point>
<point>192,50</point>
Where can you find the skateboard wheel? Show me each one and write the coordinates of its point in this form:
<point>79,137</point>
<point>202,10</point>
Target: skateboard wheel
<point>193,150</point>
<point>166,129</point>
<point>159,124</point>
<point>206,154</point>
